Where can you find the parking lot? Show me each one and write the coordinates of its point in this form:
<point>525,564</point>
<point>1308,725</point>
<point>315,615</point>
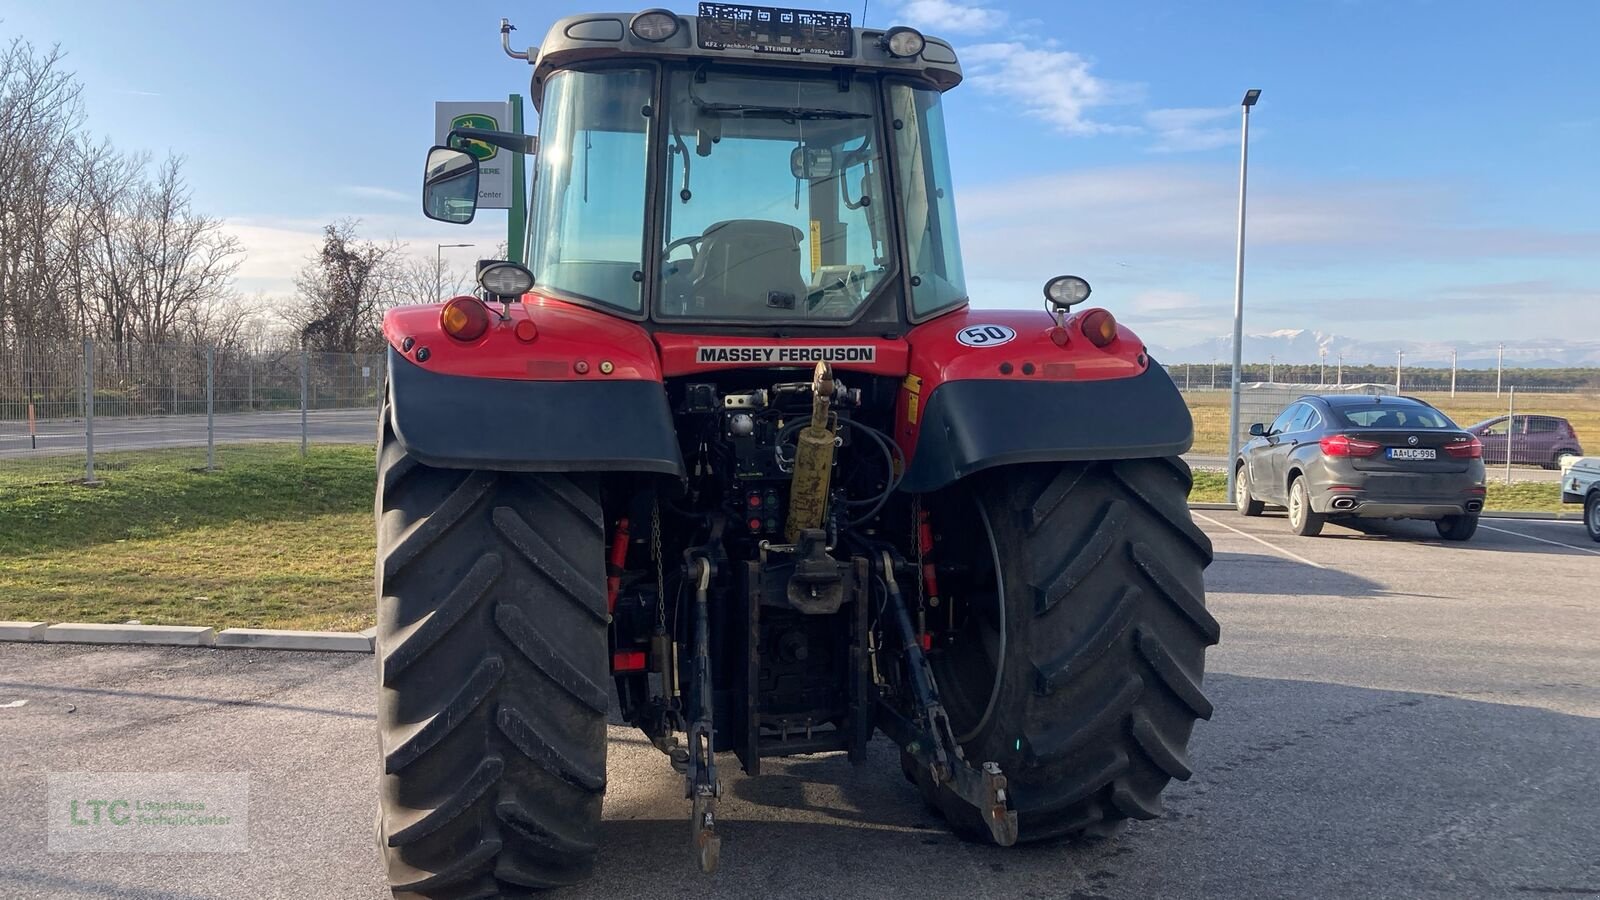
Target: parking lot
<point>1396,717</point>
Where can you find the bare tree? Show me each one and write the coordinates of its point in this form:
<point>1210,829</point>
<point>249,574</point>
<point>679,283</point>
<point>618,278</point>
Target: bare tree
<point>344,289</point>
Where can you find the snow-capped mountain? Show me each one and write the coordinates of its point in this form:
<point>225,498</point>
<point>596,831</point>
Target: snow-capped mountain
<point>1304,347</point>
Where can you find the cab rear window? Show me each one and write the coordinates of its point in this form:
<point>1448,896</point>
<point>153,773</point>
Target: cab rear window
<point>1394,416</point>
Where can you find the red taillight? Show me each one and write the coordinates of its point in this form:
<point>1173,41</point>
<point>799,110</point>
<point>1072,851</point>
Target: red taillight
<point>525,330</point>
<point>464,318</point>
<point>1345,445</point>
<point>1099,326</point>
<point>628,661</point>
<point>1465,448</point>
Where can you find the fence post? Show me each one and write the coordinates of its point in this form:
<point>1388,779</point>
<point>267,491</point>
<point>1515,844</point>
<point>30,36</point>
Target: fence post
<point>250,384</point>
<point>1511,421</point>
<point>305,374</point>
<point>211,424</point>
<point>88,412</point>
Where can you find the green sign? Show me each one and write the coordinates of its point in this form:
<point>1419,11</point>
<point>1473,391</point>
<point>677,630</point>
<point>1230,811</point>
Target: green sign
<point>478,149</point>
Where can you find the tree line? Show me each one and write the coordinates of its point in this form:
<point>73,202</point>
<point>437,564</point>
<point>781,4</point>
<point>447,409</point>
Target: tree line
<point>97,242</point>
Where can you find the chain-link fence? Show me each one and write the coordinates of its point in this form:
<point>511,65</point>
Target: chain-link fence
<point>1525,429</point>
<point>64,407</point>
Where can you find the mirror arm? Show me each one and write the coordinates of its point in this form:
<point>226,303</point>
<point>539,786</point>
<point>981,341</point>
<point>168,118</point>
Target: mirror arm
<point>505,140</point>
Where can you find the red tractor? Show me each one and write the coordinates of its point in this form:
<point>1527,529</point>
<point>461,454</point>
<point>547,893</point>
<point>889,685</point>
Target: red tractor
<point>734,449</point>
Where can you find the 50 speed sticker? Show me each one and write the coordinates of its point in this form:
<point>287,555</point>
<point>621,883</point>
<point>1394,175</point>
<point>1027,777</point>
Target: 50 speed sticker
<point>985,335</point>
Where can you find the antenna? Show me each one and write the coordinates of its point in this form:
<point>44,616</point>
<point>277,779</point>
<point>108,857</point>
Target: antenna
<point>505,43</point>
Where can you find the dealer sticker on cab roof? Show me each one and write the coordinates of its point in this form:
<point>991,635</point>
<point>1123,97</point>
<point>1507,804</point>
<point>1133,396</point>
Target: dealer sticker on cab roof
<point>786,354</point>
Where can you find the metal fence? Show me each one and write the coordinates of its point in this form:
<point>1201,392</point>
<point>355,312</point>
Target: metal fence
<point>65,407</point>
<point>1525,430</point>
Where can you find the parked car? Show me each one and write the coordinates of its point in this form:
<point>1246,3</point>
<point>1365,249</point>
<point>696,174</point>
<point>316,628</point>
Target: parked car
<point>1535,440</point>
<point>1340,456</point>
<point>1580,483</point>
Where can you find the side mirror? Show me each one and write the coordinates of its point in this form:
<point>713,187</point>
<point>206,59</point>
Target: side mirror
<point>811,163</point>
<point>1258,430</point>
<point>450,186</point>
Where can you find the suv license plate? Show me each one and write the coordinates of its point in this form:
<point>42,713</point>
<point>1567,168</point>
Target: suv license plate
<point>1412,453</point>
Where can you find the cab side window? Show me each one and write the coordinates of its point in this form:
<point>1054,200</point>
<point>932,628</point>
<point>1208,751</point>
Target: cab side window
<point>1305,420</point>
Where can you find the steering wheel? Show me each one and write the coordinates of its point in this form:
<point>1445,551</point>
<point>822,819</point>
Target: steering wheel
<point>691,241</point>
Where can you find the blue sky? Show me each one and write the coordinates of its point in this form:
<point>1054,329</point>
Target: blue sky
<point>1427,170</point>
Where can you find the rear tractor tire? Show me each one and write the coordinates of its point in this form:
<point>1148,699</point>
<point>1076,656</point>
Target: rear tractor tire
<point>492,667</point>
<point>1101,604</point>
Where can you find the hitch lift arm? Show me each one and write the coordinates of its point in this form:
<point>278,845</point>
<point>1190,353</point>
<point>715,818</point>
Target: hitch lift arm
<point>931,740</point>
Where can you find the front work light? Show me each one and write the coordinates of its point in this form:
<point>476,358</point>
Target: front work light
<point>903,42</point>
<point>1065,290</point>
<point>505,279</point>
<point>654,25</point>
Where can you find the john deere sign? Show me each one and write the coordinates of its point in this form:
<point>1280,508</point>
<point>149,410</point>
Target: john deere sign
<point>494,167</point>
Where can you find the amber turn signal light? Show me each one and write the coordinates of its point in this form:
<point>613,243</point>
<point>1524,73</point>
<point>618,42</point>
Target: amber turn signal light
<point>1099,326</point>
<point>464,318</point>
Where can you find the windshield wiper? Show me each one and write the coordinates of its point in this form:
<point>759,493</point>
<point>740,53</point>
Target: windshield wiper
<point>787,114</point>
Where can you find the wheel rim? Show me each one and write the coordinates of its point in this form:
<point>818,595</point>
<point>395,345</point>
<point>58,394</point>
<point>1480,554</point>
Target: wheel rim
<point>1241,490</point>
<point>1296,505</point>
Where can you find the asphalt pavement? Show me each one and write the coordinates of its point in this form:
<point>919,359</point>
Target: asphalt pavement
<point>1396,717</point>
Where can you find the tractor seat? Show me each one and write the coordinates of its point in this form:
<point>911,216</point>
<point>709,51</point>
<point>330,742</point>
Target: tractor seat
<point>748,266</point>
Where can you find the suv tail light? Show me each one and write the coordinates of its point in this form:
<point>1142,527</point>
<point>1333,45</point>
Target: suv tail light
<point>1345,445</point>
<point>1465,447</point>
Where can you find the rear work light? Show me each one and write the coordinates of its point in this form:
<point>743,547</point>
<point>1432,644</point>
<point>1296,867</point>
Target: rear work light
<point>1099,326</point>
<point>1466,447</point>
<point>464,318</point>
<point>1345,445</point>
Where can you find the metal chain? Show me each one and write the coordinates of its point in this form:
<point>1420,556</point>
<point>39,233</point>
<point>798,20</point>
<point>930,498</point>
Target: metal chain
<point>655,553</point>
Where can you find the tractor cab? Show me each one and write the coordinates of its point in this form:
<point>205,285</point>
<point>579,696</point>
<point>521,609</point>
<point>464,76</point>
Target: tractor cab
<point>743,167</point>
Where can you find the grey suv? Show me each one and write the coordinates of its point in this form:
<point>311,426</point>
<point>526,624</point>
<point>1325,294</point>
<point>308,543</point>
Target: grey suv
<point>1334,456</point>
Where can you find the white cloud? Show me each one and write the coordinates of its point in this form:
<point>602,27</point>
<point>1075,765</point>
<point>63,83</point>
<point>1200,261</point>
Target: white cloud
<point>277,248</point>
<point>372,192</point>
<point>1192,128</point>
<point>1050,84</point>
<point>948,17</point>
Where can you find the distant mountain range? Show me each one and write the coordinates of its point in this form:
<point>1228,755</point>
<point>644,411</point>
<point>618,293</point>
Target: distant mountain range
<point>1303,347</point>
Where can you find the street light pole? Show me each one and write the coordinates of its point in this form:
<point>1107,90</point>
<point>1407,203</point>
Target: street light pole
<point>1499,370</point>
<point>1452,372</point>
<point>1399,360</point>
<point>1340,374</point>
<point>1250,98</point>
<point>1322,368</point>
<point>438,267</point>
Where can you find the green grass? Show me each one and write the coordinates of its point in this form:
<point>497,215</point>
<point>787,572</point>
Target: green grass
<point>267,540</point>
<point>1522,496</point>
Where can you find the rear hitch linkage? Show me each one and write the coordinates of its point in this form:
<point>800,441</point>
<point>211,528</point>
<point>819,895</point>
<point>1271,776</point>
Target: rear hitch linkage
<point>701,784</point>
<point>931,740</point>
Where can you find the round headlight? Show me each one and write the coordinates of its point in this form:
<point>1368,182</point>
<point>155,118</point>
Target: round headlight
<point>1065,290</point>
<point>903,42</point>
<point>654,25</point>
<point>505,279</point>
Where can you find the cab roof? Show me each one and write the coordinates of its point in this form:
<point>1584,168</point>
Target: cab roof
<point>606,36</point>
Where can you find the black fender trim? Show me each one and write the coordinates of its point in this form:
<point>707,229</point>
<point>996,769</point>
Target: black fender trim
<point>977,424</point>
<point>596,425</point>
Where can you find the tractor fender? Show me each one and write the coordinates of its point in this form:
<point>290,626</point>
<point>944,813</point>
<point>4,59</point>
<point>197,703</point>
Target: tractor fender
<point>501,402</point>
<point>1015,395</point>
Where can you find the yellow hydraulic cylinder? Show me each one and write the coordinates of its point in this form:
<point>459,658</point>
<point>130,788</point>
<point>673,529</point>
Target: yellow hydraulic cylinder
<point>813,460</point>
